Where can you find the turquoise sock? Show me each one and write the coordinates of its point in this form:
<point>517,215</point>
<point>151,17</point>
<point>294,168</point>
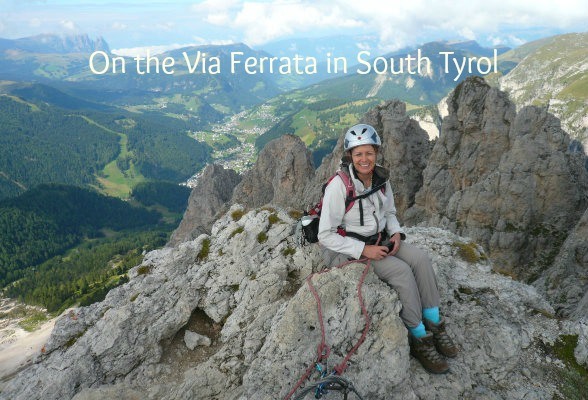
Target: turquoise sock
<point>432,314</point>
<point>418,331</point>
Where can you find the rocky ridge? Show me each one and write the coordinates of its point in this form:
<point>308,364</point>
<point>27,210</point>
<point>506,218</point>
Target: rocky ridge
<point>506,179</point>
<point>564,282</point>
<point>60,44</point>
<point>249,290</point>
<point>207,201</point>
<point>511,181</point>
<point>279,176</point>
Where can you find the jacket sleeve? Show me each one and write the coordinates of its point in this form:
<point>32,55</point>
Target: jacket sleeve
<point>332,214</point>
<point>392,224</point>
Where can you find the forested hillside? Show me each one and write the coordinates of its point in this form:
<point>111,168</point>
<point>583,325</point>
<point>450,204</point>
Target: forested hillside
<point>83,143</point>
<point>46,144</point>
<point>50,219</point>
<point>171,196</point>
<point>85,274</point>
<point>61,245</point>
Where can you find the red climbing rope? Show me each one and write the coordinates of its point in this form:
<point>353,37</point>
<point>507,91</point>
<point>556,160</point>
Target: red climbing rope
<point>323,349</point>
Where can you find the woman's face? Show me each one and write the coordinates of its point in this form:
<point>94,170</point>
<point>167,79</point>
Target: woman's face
<point>364,158</point>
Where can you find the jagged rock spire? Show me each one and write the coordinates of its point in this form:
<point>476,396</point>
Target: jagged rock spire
<point>505,179</point>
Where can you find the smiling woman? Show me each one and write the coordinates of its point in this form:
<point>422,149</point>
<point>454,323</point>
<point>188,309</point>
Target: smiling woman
<point>369,232</point>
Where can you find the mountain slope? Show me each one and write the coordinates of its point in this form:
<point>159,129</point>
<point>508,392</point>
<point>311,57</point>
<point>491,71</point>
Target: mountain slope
<point>421,89</point>
<point>43,144</point>
<point>51,218</point>
<point>553,72</point>
<point>50,136</point>
<point>261,320</point>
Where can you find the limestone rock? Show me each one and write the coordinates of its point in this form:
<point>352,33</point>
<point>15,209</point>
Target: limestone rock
<point>119,392</point>
<point>210,196</point>
<point>507,180</point>
<point>581,350</point>
<point>282,170</point>
<point>193,339</point>
<point>566,281</point>
<point>253,287</point>
<point>295,332</point>
<point>404,151</point>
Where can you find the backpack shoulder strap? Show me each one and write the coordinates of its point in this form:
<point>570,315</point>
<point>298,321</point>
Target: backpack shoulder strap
<point>349,190</point>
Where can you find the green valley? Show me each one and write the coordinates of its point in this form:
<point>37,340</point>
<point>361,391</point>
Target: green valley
<point>62,245</point>
<point>110,149</point>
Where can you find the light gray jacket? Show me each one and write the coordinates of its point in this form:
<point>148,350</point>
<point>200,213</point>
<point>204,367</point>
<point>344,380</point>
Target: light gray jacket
<point>379,212</point>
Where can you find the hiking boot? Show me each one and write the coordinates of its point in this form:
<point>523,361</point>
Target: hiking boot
<point>423,349</point>
<point>442,341</point>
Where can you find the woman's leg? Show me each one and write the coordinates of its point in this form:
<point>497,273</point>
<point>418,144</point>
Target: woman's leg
<point>424,274</point>
<point>398,274</point>
<point>409,272</point>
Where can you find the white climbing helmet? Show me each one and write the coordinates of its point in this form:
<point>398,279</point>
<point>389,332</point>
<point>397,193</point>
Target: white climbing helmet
<point>361,134</point>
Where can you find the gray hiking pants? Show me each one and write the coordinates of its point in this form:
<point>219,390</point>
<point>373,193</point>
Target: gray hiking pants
<point>409,272</point>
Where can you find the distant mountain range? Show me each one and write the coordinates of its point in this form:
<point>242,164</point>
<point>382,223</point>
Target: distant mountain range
<point>65,63</point>
<point>172,106</point>
<point>51,44</point>
<point>553,72</point>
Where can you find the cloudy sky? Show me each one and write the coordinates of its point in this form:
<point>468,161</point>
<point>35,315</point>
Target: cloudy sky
<point>392,24</point>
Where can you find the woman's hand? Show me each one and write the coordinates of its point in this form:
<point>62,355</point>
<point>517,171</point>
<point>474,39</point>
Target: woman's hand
<point>395,239</point>
<point>374,252</point>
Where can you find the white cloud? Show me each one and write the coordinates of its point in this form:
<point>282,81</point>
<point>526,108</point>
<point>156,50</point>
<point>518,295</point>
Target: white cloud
<point>261,22</point>
<point>467,33</point>
<point>68,25</point>
<point>516,41</point>
<point>217,12</point>
<point>255,22</point>
<point>363,46</point>
<point>165,26</point>
<point>199,41</point>
<point>508,40</point>
<point>397,24</point>
<point>118,26</point>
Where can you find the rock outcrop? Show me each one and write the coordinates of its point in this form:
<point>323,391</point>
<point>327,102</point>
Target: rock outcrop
<point>283,169</point>
<point>566,281</point>
<point>207,200</point>
<point>243,287</point>
<point>506,179</point>
<point>405,149</point>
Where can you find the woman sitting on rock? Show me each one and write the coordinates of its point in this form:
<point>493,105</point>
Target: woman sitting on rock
<point>403,266</point>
